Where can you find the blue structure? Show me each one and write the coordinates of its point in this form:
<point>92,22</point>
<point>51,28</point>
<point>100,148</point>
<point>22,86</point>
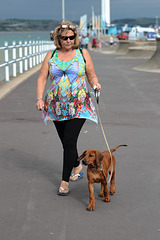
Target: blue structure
<point>112,30</point>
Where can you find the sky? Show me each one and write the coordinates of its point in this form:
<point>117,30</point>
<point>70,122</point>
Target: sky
<point>52,9</point>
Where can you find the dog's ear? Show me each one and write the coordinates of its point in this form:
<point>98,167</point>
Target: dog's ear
<point>82,156</point>
<point>98,158</point>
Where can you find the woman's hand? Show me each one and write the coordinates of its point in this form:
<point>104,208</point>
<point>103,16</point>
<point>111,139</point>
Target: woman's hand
<point>40,104</point>
<point>97,87</point>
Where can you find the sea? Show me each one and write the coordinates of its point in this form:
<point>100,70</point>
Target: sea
<point>19,36</point>
<point>23,36</point>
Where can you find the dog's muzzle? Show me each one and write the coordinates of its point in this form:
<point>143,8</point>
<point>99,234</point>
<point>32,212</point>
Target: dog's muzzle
<point>84,162</point>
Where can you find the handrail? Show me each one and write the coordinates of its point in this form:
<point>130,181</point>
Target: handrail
<point>23,56</point>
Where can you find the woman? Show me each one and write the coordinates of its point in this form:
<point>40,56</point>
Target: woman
<point>67,103</point>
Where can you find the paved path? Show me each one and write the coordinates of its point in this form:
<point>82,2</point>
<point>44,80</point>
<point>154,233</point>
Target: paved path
<point>31,162</point>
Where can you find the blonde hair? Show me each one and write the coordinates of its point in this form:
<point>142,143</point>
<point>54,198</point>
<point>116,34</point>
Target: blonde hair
<point>59,30</point>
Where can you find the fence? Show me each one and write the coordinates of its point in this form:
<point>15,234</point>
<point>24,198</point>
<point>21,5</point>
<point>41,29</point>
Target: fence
<point>22,57</point>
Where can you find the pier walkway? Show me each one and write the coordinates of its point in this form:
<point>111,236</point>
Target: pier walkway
<point>31,162</point>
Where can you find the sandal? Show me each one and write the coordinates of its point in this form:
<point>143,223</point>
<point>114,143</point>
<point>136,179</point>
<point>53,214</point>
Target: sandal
<point>63,193</point>
<point>79,175</point>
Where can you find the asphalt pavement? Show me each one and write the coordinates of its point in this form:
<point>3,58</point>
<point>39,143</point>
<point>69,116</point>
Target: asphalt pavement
<point>31,162</point>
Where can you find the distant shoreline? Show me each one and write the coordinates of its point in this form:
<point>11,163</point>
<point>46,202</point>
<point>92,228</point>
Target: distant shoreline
<point>27,25</point>
<point>48,25</point>
<point>25,31</point>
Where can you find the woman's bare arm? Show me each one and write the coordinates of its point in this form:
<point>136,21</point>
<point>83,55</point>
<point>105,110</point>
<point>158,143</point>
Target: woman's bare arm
<point>90,72</point>
<point>42,80</point>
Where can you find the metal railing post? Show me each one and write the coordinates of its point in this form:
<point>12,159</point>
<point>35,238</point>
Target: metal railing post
<point>20,56</point>
<point>25,55</point>
<point>30,54</point>
<point>40,51</point>
<point>34,60</point>
<point>14,59</point>
<point>37,62</point>
<point>6,62</point>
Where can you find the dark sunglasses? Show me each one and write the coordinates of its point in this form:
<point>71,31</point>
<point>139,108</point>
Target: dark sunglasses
<point>65,38</point>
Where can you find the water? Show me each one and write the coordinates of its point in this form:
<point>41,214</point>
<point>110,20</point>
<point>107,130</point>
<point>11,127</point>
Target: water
<point>23,36</point>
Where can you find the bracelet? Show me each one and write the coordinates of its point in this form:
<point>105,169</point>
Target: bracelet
<point>39,99</point>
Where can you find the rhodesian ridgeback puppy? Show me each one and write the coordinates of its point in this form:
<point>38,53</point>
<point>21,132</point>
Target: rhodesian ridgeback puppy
<point>99,165</point>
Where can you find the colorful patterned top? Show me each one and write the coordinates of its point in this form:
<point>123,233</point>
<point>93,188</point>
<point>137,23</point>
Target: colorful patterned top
<point>68,96</point>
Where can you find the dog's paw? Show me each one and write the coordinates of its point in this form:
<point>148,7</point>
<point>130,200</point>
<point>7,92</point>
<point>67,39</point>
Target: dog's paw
<point>90,207</point>
<point>101,194</point>
<point>112,190</point>
<point>107,199</point>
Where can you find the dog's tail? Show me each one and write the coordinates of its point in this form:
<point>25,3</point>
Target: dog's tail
<point>113,150</point>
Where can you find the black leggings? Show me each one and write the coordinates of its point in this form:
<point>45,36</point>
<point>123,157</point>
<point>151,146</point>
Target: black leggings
<point>68,132</point>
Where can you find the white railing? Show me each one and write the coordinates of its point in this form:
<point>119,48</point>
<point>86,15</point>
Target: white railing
<point>16,59</point>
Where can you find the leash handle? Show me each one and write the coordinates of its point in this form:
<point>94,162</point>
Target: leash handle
<point>97,93</point>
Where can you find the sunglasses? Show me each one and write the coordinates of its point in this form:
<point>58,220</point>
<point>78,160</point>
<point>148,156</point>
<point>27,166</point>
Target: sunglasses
<point>68,26</point>
<point>65,38</point>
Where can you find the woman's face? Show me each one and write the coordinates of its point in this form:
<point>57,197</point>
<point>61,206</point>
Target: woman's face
<point>67,43</point>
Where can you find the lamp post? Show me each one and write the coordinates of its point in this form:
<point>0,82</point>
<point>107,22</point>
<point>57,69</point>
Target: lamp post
<point>63,10</point>
<point>157,20</point>
<point>105,11</point>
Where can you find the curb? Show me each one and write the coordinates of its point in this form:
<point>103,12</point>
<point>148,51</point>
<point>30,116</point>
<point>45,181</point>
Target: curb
<point>7,87</point>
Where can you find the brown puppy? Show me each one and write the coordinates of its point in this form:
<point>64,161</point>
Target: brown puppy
<point>99,164</point>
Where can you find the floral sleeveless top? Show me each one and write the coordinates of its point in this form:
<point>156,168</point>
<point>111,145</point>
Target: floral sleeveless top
<point>68,96</point>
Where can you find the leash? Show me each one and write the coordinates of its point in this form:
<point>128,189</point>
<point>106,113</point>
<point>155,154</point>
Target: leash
<point>97,95</point>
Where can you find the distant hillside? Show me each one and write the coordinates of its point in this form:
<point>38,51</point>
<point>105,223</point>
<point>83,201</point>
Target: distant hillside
<point>48,25</point>
<point>27,25</point>
<point>144,22</point>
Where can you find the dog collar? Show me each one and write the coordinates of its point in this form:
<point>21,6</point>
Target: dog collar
<point>100,167</point>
